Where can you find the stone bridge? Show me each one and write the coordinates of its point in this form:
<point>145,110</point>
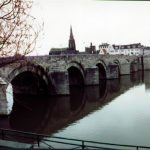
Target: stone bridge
<point>54,75</point>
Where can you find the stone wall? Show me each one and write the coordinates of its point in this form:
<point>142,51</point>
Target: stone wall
<point>3,100</point>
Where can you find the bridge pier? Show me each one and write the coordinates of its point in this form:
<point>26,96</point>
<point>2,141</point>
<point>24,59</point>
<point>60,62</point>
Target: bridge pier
<point>61,82</point>
<point>134,67</point>
<point>141,63</point>
<point>3,99</point>
<point>92,76</point>
<point>112,71</point>
<point>125,69</point>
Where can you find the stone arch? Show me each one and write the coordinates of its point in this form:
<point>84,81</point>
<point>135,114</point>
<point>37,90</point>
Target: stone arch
<point>77,65</point>
<point>102,69</point>
<point>116,61</point>
<point>77,69</point>
<point>27,67</point>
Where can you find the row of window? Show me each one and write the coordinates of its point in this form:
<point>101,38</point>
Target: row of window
<point>129,50</point>
<point>103,46</point>
<point>127,46</point>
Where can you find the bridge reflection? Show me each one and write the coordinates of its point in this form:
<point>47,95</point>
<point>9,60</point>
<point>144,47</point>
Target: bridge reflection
<point>48,115</point>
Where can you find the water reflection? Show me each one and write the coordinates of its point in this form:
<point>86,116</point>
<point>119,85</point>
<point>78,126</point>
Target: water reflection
<point>28,112</point>
<point>147,80</point>
<point>49,115</point>
<point>138,77</point>
<point>77,100</point>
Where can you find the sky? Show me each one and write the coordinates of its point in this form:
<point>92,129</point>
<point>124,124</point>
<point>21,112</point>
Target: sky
<point>114,22</point>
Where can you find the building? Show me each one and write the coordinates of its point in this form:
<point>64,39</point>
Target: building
<point>130,49</point>
<point>91,49</point>
<point>58,51</point>
<point>105,48</point>
<point>71,49</point>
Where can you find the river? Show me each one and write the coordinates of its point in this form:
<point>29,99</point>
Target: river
<point>116,111</point>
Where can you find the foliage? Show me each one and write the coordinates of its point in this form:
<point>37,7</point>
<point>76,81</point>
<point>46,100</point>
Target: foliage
<point>18,34</point>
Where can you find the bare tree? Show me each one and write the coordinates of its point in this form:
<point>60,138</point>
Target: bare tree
<point>18,34</point>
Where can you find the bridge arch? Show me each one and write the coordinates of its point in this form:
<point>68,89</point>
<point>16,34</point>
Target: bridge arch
<point>29,74</point>
<point>116,61</point>
<point>102,69</point>
<point>76,73</point>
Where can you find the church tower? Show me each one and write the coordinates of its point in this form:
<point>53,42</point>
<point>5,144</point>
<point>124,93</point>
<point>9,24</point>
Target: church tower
<point>72,45</point>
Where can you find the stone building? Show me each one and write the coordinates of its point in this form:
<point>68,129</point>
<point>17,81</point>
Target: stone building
<point>91,49</point>
<point>71,49</point>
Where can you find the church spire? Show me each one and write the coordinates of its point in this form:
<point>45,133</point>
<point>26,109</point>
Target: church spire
<point>72,45</point>
<point>71,34</point>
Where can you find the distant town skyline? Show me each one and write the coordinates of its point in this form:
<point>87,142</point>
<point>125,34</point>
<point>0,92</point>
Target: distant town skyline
<point>114,22</point>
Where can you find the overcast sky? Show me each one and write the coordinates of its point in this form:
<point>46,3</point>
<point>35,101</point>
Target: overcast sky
<point>115,22</point>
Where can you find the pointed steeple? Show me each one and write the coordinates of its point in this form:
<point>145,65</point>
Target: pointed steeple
<point>72,45</point>
<point>71,34</point>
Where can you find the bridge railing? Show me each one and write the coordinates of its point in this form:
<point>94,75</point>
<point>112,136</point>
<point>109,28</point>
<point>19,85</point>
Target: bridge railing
<point>38,140</point>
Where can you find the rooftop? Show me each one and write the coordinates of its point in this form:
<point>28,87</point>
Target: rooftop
<point>58,49</point>
<point>127,46</point>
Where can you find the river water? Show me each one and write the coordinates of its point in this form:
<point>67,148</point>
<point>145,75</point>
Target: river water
<point>117,111</point>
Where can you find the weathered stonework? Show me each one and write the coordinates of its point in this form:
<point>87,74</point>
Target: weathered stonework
<point>62,82</point>
<point>54,70</point>
<point>3,99</point>
<point>112,71</point>
<point>125,69</point>
<point>91,76</point>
